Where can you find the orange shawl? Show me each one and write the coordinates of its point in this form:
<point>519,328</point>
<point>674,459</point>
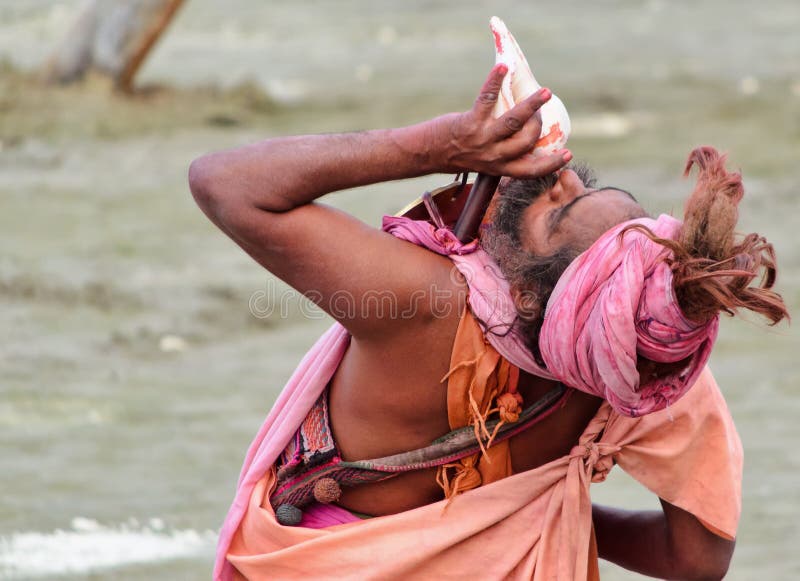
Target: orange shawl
<point>532,525</point>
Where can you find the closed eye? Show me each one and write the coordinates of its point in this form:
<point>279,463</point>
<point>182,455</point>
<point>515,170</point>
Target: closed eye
<point>556,216</point>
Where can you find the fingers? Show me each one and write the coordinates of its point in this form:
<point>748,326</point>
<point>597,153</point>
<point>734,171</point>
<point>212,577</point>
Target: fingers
<point>523,141</point>
<point>530,166</point>
<point>518,117</point>
<point>503,146</point>
<point>485,102</point>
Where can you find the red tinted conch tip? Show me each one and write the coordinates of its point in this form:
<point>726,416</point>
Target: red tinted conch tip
<point>519,84</point>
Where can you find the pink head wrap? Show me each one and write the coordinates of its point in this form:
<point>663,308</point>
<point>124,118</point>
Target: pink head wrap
<point>616,302</point>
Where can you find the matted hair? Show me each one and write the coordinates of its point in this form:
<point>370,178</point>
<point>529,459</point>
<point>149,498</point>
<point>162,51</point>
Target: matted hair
<point>713,267</point>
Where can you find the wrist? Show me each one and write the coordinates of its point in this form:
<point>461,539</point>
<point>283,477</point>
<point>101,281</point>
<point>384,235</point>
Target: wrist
<point>427,144</point>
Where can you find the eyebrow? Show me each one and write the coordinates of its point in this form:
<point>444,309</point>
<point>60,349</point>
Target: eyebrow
<point>558,217</point>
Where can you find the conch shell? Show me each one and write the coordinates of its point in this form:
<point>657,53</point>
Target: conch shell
<point>520,84</point>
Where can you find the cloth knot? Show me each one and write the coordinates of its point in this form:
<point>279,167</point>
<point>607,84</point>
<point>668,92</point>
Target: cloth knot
<point>466,477</point>
<point>597,458</point>
<point>509,407</point>
<point>452,245</point>
<point>470,478</point>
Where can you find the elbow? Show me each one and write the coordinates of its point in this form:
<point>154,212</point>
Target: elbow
<point>713,566</point>
<point>203,177</point>
<point>215,191</point>
<point>716,570</point>
<point>710,575</point>
<point>219,192</point>
<point>222,188</point>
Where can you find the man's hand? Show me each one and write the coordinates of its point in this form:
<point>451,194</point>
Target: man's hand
<point>476,141</point>
<point>264,197</point>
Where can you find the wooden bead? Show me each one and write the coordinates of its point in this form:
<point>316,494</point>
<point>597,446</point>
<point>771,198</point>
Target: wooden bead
<point>327,490</point>
<point>288,515</point>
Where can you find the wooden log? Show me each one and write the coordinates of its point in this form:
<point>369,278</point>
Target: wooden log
<point>113,37</point>
<point>73,57</point>
<point>150,34</point>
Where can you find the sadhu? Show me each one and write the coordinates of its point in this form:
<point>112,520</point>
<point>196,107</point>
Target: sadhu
<point>456,432</point>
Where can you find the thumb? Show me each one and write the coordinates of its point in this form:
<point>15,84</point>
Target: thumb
<point>490,91</point>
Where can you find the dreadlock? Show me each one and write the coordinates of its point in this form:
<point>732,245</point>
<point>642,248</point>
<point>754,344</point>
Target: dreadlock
<point>713,267</point>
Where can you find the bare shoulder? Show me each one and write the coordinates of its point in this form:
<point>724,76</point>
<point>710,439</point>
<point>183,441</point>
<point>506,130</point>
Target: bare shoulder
<point>371,282</point>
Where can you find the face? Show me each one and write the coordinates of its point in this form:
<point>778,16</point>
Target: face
<point>575,214</point>
<point>540,225</point>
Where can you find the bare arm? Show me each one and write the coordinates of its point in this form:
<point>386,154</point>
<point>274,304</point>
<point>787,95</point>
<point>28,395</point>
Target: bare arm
<point>668,544</point>
<point>263,195</point>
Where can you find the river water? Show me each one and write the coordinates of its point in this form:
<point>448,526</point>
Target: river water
<point>132,371</point>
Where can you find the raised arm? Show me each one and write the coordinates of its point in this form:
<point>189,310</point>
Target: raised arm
<point>668,544</point>
<point>263,195</point>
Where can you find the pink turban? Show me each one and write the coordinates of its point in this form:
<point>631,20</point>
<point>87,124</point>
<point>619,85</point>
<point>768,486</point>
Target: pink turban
<point>614,303</point>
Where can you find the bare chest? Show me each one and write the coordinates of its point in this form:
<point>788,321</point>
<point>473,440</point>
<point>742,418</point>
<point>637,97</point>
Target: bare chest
<point>388,404</point>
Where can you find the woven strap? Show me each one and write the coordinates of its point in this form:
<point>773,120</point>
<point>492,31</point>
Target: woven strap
<point>296,481</point>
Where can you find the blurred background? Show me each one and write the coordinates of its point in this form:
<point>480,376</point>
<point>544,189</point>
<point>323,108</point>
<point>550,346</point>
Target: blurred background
<point>133,372</point>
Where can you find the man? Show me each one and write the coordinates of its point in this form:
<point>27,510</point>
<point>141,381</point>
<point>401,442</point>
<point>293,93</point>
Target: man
<point>384,394</point>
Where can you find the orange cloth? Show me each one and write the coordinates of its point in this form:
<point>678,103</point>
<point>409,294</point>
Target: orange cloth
<point>533,525</point>
<point>477,376</point>
<point>481,382</point>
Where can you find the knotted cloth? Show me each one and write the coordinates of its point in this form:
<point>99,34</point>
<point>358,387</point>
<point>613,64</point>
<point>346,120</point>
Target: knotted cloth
<point>615,303</point>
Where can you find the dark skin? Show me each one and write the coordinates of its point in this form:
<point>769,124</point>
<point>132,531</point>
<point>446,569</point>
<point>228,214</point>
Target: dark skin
<point>387,396</point>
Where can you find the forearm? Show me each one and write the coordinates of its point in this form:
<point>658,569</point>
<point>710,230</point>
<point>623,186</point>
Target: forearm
<point>668,544</point>
<point>280,174</point>
<point>260,195</point>
<point>635,540</point>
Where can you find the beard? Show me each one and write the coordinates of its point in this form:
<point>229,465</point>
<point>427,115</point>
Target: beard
<point>531,277</point>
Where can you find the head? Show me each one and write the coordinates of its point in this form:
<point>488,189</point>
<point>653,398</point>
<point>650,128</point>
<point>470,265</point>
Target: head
<point>539,226</point>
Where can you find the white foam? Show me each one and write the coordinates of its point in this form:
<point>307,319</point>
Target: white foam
<point>90,546</point>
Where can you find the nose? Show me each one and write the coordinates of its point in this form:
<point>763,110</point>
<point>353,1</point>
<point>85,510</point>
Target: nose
<point>568,187</point>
